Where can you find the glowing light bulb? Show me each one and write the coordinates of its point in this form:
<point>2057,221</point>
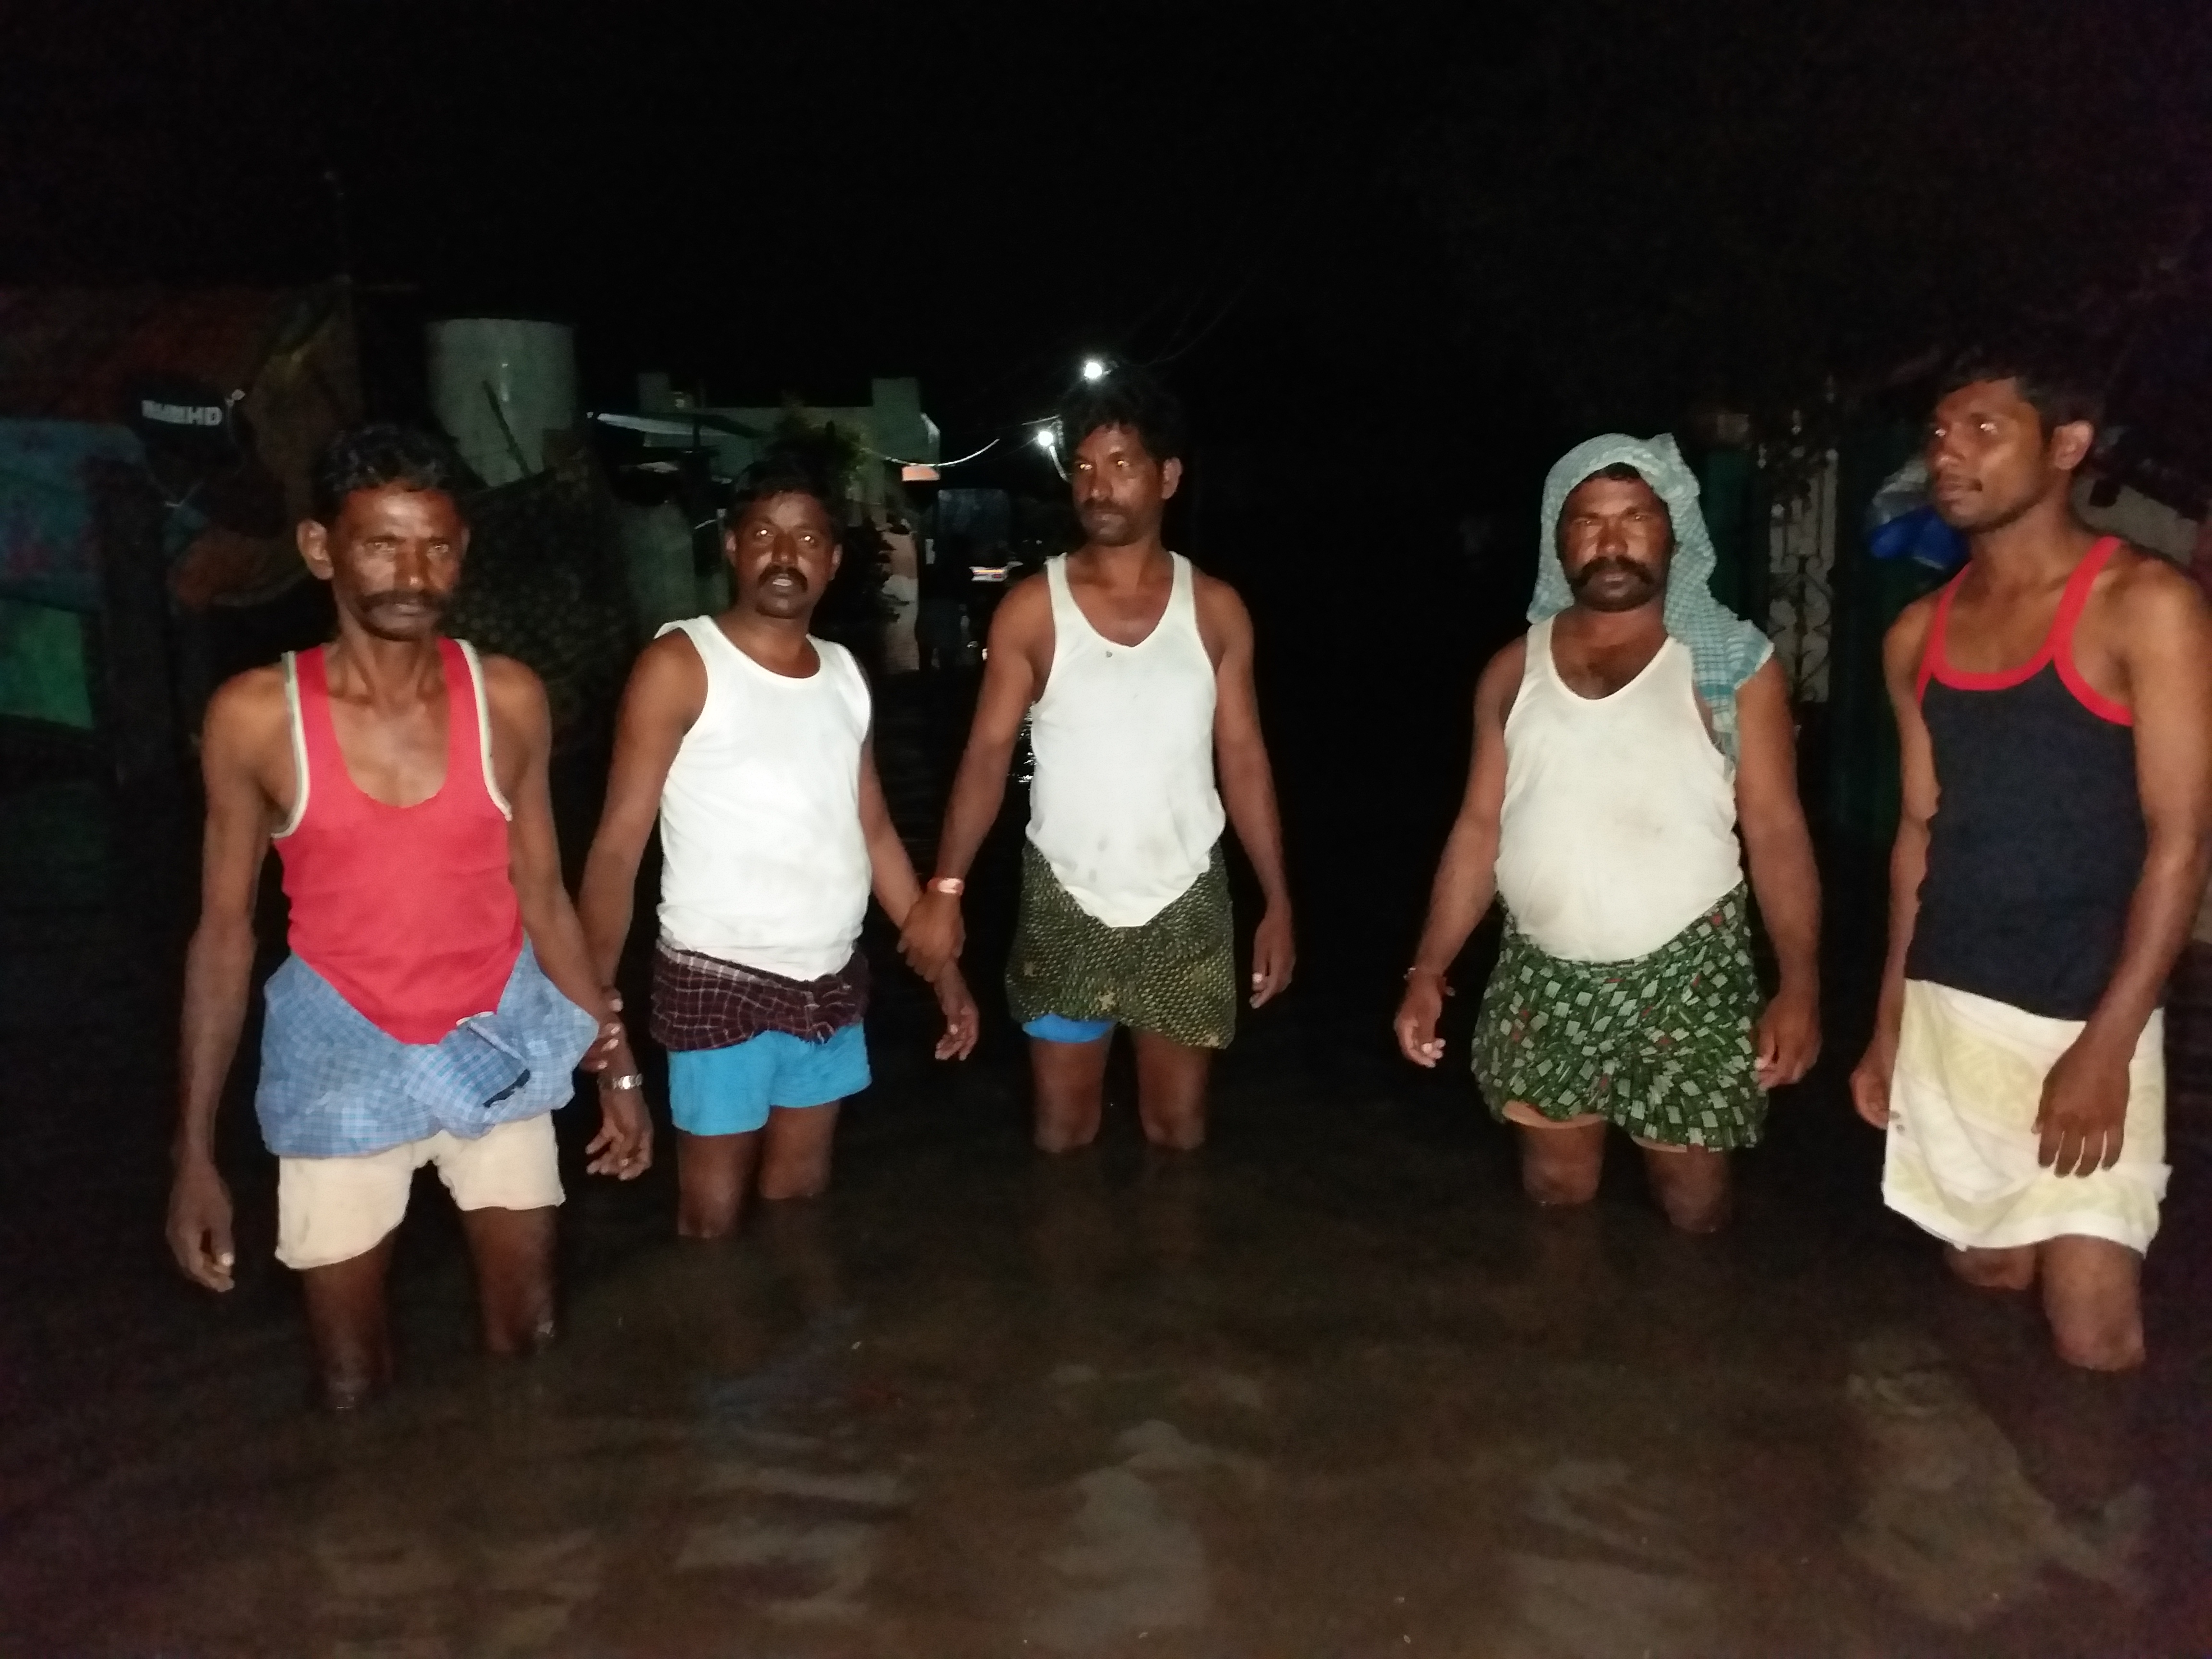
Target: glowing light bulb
<point>1047,438</point>
<point>1093,369</point>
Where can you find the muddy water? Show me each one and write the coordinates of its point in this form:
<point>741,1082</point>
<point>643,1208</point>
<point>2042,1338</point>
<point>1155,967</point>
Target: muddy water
<point>1326,1388</point>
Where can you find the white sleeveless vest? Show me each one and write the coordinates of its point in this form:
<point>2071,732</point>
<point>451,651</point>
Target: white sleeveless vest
<point>1123,806</point>
<point>1619,828</point>
<point>763,860</point>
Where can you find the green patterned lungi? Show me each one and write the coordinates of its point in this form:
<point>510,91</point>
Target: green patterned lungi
<point>1661,1044</point>
<point>1175,974</point>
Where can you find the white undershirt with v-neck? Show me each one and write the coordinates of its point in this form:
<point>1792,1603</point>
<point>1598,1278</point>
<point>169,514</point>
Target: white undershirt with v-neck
<point>763,861</point>
<point>1618,828</point>
<point>1124,807</point>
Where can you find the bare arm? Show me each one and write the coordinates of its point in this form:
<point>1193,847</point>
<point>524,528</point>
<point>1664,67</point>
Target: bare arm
<point>892,871</point>
<point>523,729</point>
<point>244,719</point>
<point>1901,653</point>
<point>1466,876</point>
<point>1011,685</point>
<point>666,690</point>
<point>2165,640</point>
<point>896,889</point>
<point>2168,653</point>
<point>1779,849</point>
<point>1248,782</point>
<point>1021,638</point>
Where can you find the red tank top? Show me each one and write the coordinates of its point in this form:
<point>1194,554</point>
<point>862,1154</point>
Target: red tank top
<point>407,911</point>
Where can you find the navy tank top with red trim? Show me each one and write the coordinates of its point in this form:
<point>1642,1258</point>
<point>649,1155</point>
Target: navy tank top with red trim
<point>2037,840</point>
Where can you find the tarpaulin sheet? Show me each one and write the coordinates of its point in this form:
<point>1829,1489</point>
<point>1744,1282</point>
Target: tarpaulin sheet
<point>49,535</point>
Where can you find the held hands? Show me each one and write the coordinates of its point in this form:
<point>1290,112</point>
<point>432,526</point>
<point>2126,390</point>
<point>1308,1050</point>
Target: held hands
<point>1788,1037</point>
<point>623,1146</point>
<point>611,1037</point>
<point>1419,1011</point>
<point>961,1021</point>
<point>1274,955</point>
<point>2084,1111</point>
<point>933,935</point>
<point>199,1225</point>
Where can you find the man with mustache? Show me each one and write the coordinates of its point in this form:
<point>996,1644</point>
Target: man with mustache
<point>2054,716</point>
<point>1136,671</point>
<point>1618,746</point>
<point>438,997</point>
<point>750,741</point>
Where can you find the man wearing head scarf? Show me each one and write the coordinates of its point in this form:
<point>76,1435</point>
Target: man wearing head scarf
<point>1619,746</point>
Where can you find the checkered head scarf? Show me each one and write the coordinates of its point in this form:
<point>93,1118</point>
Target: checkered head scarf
<point>1725,650</point>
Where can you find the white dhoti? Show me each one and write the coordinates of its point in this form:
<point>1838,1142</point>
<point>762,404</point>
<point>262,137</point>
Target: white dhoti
<point>1963,1102</point>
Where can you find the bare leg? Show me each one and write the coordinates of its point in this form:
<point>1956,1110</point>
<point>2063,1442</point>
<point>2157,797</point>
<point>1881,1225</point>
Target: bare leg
<point>1994,1270</point>
<point>513,1254</point>
<point>795,1147</point>
<point>1691,1185</point>
<point>1560,1163</point>
<point>2092,1296</point>
<point>712,1173</point>
<point>348,1321</point>
<point>1171,1092</point>
<point>1070,1083</point>
<point>799,1242</point>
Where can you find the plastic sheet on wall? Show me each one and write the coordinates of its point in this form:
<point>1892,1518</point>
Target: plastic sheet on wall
<point>49,542</point>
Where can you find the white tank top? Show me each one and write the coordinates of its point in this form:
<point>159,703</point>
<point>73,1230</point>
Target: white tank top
<point>763,860</point>
<point>1123,805</point>
<point>1619,829</point>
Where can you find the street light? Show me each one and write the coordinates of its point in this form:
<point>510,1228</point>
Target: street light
<point>1093,369</point>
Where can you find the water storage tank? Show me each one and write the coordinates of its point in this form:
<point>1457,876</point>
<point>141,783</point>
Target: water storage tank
<point>498,384</point>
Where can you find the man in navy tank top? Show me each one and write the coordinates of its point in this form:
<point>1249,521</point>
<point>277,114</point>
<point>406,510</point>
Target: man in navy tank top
<point>2054,715</point>
<point>752,743</point>
<point>437,998</point>
<point>1133,668</point>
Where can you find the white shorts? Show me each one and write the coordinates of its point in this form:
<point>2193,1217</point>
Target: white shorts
<point>332,1209</point>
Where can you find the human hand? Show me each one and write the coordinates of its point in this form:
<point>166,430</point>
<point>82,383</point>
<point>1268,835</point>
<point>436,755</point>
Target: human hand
<point>1274,954</point>
<point>1419,1011</point>
<point>2084,1111</point>
<point>933,934</point>
<point>623,1146</point>
<point>1787,1038</point>
<point>962,1023</point>
<point>1870,1081</point>
<point>612,1038</point>
<point>199,1225</point>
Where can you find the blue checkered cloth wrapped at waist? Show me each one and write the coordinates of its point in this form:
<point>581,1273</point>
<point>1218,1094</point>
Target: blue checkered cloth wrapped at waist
<point>333,1085</point>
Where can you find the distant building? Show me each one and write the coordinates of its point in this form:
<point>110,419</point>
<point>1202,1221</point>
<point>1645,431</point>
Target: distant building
<point>891,426</point>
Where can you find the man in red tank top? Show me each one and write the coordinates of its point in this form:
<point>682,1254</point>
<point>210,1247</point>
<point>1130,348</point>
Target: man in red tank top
<point>439,996</point>
<point>2054,711</point>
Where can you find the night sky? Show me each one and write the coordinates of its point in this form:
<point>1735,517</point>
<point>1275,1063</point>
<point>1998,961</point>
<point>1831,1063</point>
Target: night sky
<point>1395,259</point>
<point>1488,220</point>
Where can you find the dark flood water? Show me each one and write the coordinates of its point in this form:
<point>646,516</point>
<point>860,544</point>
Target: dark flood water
<point>1328,1387</point>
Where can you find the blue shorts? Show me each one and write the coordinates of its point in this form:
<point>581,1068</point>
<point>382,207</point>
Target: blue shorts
<point>1058,1028</point>
<point>729,1092</point>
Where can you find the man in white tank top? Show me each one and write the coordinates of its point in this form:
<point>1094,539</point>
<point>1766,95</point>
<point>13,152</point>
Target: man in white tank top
<point>1601,808</point>
<point>749,741</point>
<point>1136,673</point>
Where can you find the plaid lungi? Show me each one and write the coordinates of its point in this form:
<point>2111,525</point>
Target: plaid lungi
<point>333,1085</point>
<point>701,1001</point>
